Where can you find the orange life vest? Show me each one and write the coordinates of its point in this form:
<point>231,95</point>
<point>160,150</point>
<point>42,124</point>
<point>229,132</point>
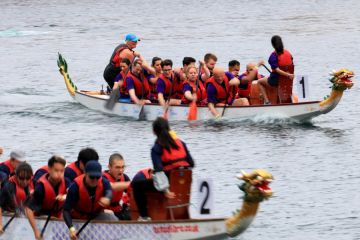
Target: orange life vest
<point>73,167</point>
<point>175,157</point>
<point>9,166</point>
<point>86,206</point>
<point>223,95</point>
<point>115,57</point>
<point>284,59</point>
<point>117,195</point>
<point>146,172</point>
<point>50,195</point>
<point>201,92</point>
<point>245,91</point>
<point>20,194</point>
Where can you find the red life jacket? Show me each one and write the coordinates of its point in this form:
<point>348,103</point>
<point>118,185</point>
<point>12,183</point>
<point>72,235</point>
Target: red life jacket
<point>175,158</point>
<point>10,167</point>
<point>245,91</point>
<point>73,167</point>
<point>201,92</point>
<point>146,172</point>
<point>117,195</point>
<point>142,89</point>
<point>44,168</point>
<point>173,87</point>
<point>223,95</point>
<point>20,194</point>
<point>284,59</point>
<point>115,57</point>
<point>50,195</point>
<point>86,206</point>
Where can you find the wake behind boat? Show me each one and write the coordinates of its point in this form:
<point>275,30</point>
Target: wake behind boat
<point>301,111</point>
<point>256,189</point>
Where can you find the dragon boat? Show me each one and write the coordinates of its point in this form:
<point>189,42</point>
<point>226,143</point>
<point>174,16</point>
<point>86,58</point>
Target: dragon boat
<point>300,111</point>
<point>169,221</point>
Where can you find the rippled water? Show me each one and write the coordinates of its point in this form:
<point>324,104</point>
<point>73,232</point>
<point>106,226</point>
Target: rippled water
<point>316,165</point>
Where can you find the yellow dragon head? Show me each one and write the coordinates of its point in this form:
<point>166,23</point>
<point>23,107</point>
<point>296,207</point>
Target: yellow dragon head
<point>341,79</point>
<point>256,185</point>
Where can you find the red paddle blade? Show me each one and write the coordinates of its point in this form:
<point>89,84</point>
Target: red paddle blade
<point>192,112</point>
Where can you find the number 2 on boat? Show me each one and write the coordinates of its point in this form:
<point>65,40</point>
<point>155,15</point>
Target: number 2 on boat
<point>205,197</point>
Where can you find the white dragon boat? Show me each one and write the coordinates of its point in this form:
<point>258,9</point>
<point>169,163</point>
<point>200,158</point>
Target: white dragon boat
<point>256,189</point>
<point>301,111</point>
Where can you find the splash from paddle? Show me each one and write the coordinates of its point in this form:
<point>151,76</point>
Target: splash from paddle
<point>193,107</point>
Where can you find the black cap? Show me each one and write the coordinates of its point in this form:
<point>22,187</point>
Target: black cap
<point>93,169</point>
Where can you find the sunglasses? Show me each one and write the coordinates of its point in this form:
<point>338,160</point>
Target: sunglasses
<point>93,178</point>
<point>24,178</point>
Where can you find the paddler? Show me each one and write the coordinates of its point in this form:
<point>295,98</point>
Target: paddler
<point>75,169</point>
<point>168,85</point>
<point>7,168</point>
<point>210,60</point>
<point>87,197</point>
<point>279,58</point>
<point>16,190</point>
<point>119,182</point>
<point>167,154</point>
<point>222,90</point>
<point>246,78</point>
<point>49,194</point>
<point>136,87</point>
<point>124,50</point>
<point>194,89</point>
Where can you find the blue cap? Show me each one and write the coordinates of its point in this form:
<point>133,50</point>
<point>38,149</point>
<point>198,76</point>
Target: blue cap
<point>93,168</point>
<point>131,37</point>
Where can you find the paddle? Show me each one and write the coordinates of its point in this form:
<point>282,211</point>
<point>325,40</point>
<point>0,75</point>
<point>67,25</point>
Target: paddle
<point>165,115</point>
<point>9,221</point>
<point>266,68</point>
<point>115,94</point>
<point>48,218</point>
<point>85,224</point>
<point>142,112</point>
<point>193,107</point>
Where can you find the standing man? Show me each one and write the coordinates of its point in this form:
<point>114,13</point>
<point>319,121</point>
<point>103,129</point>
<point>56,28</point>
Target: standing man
<point>75,169</point>
<point>119,182</point>
<point>7,168</point>
<point>87,197</point>
<point>49,194</point>
<point>124,50</point>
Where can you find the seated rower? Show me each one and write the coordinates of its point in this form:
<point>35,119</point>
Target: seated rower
<point>153,72</point>
<point>16,190</point>
<point>181,72</point>
<point>279,59</point>
<point>49,194</point>
<point>193,89</point>
<point>75,169</point>
<point>210,62</point>
<point>247,78</point>
<point>220,93</point>
<point>168,86</point>
<point>119,182</point>
<point>7,168</point>
<point>135,88</point>
<point>119,80</point>
<point>167,154</point>
<point>87,197</point>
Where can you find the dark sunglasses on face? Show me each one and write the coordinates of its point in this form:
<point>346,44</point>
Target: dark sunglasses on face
<point>93,178</point>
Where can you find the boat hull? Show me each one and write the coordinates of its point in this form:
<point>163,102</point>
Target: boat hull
<point>300,111</point>
<point>100,230</point>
